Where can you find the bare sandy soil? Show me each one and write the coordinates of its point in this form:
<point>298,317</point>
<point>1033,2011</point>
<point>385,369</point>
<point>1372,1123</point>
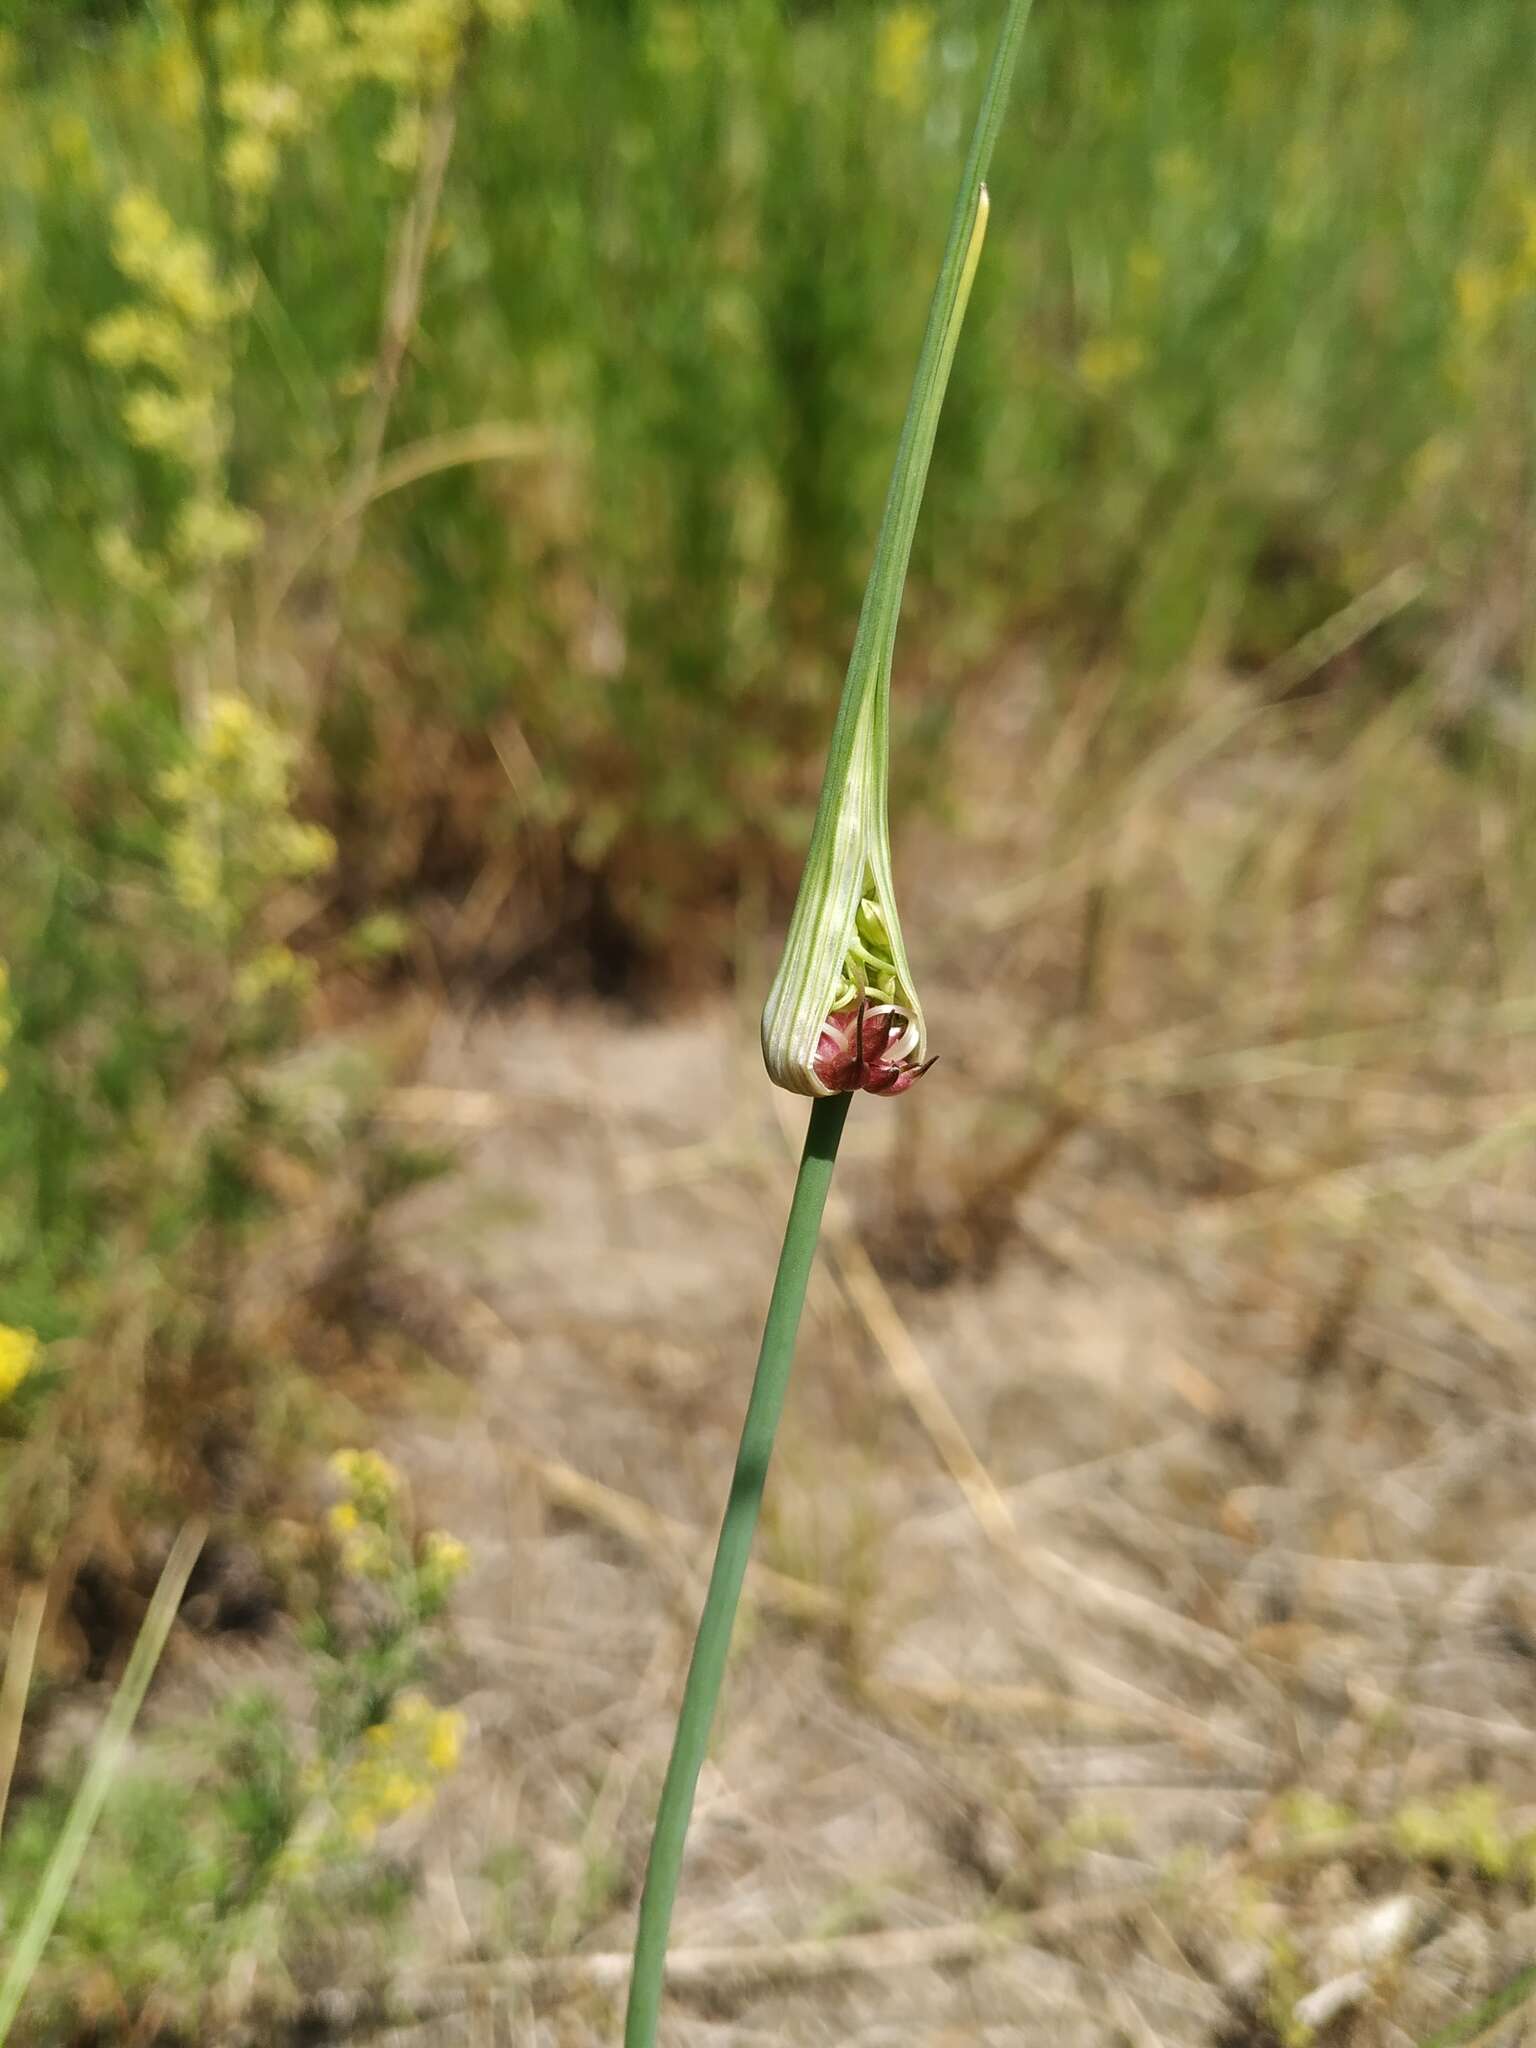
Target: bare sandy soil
<point>1143,1645</point>
<point>1088,1547</point>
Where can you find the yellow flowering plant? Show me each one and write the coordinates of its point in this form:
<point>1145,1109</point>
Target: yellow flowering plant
<point>234,836</point>
<point>234,1849</point>
<point>18,1355</point>
<point>398,1765</point>
<point>392,1587</point>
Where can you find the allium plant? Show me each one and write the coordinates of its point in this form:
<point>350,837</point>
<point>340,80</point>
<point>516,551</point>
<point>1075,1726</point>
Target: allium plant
<point>842,1015</point>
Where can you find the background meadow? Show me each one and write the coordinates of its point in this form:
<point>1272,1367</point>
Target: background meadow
<point>441,443</point>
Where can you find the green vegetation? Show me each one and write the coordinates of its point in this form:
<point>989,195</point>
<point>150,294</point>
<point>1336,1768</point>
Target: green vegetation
<point>529,590</point>
<point>442,445</point>
<point>1250,335</point>
<point>234,1853</point>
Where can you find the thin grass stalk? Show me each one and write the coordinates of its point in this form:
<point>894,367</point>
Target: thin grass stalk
<point>21,1652</point>
<point>401,315</point>
<point>865,694</point>
<point>400,319</point>
<point>106,1759</point>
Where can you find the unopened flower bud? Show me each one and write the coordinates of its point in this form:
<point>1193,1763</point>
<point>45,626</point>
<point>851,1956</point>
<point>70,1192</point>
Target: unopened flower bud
<point>873,1047</point>
<point>842,1013</point>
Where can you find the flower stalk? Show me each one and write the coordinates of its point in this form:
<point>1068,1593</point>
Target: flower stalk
<point>842,1015</point>
<point>713,1642</point>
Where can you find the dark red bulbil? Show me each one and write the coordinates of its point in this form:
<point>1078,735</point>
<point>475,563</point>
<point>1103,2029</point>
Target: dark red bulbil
<point>867,1048</point>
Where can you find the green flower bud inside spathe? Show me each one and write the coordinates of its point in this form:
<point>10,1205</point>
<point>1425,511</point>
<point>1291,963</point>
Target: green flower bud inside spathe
<point>843,1013</point>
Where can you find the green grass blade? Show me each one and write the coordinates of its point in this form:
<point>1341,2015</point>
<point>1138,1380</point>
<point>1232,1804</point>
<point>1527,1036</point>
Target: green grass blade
<point>26,1626</point>
<point>1472,2026</point>
<point>106,1758</point>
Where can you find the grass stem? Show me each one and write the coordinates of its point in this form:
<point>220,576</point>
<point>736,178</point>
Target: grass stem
<point>100,1773</point>
<point>702,1688</point>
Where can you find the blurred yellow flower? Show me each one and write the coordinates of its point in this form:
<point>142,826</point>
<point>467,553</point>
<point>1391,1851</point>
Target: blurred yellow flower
<point>236,833</point>
<point>310,30</point>
<point>402,1759</point>
<point>187,426</point>
<point>295,850</point>
<point>411,45</point>
<point>178,267</point>
<point>250,163</point>
<point>277,970</point>
<point>1109,360</point>
<point>1480,292</point>
<point>263,113</point>
<point>265,105</point>
<point>1472,1825</point>
<point>401,148</point>
<point>366,1554</point>
<point>179,329</point>
<point>398,1793</point>
<point>233,730</point>
<point>367,1477</point>
<point>210,531</point>
<point>184,275</point>
<point>443,1556</point>
<point>18,1355</point>
<point>128,566</point>
<point>141,227</point>
<point>445,1743</point>
<point>135,337</point>
<point>194,871</point>
<point>901,49</point>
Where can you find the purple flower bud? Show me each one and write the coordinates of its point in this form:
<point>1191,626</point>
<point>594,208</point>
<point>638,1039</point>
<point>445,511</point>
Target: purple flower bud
<point>873,1046</point>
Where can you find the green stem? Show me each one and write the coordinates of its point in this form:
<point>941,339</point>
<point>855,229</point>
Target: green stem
<point>702,1689</point>
<point>869,663</point>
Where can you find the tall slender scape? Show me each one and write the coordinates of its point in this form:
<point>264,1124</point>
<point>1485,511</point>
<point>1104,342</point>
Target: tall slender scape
<point>842,1015</point>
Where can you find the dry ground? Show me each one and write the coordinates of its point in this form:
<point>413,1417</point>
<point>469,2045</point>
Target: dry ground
<point>1147,1570</point>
